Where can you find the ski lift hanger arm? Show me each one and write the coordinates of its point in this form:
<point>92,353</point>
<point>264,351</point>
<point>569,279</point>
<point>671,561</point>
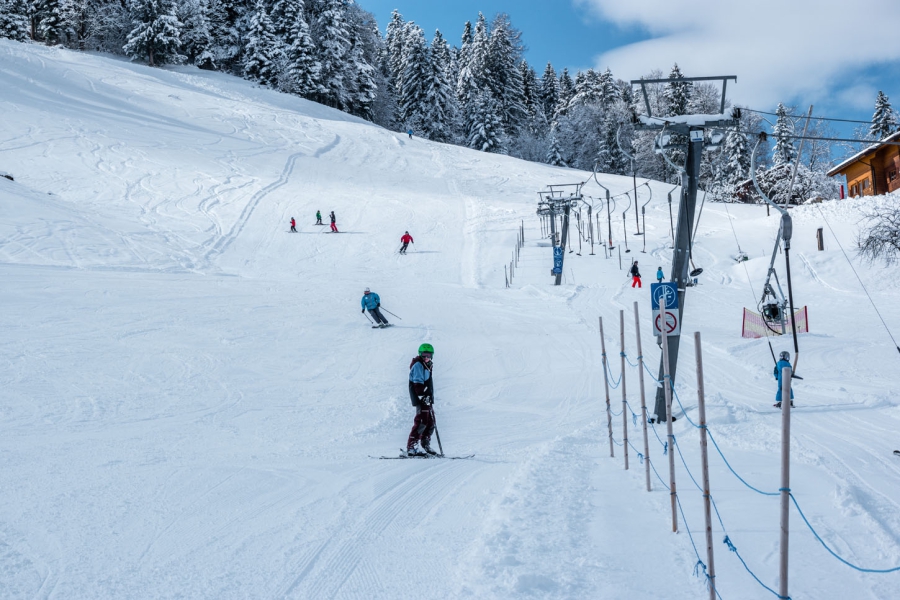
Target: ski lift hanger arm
<point>642,82</point>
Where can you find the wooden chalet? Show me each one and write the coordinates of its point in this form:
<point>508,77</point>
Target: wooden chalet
<point>874,171</point>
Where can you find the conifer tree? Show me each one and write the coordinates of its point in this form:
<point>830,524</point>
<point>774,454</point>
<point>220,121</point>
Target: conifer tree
<point>505,82</point>
<point>417,70</point>
<point>677,94</point>
<point>196,39</point>
<point>361,86</point>
<point>301,67</point>
<point>784,152</point>
<point>554,154</point>
<point>884,119</point>
<point>263,52</point>
<point>484,128</point>
<point>464,83</point>
<point>566,93</point>
<point>549,91</point>
<point>607,88</point>
<point>333,45</point>
<point>440,111</point>
<point>156,33</point>
<point>228,21</point>
<point>534,109</point>
<point>14,20</point>
<point>394,39</point>
<point>53,26</point>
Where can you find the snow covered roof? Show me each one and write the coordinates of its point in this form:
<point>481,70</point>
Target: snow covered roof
<point>875,146</point>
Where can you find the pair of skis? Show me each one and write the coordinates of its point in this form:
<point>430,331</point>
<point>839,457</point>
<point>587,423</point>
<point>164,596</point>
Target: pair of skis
<point>382,326</point>
<point>403,456</point>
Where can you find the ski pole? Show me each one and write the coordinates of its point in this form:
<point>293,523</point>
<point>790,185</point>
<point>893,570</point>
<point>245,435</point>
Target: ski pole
<point>436,432</point>
<point>366,316</point>
<point>390,313</point>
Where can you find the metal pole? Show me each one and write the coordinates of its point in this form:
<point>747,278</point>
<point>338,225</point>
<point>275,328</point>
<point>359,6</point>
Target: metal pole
<point>640,358</point>
<point>505,276</point>
<point>785,478</point>
<point>704,459</point>
<point>565,230</point>
<point>624,400</point>
<point>670,437</point>
<point>606,382</point>
<point>634,178</point>
<point>609,219</point>
<point>644,221</point>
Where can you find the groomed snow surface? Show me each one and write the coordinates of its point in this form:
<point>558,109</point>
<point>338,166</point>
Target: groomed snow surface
<point>190,395</point>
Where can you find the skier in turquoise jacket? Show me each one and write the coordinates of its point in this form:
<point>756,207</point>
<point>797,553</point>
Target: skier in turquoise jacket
<point>372,302</point>
<point>784,360</point>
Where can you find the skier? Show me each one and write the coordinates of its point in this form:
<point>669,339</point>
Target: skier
<point>333,222</point>
<point>421,394</point>
<point>319,218</point>
<point>293,225</point>
<point>635,275</point>
<point>406,239</point>
<point>659,275</point>
<point>410,132</point>
<point>372,302</point>
<point>784,360</point>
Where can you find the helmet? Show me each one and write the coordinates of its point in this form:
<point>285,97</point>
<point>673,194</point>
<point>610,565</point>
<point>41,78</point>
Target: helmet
<point>426,348</point>
<point>366,291</point>
<point>784,355</point>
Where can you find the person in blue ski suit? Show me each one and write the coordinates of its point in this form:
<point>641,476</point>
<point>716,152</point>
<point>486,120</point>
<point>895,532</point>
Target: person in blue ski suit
<point>371,302</point>
<point>659,275</point>
<point>784,360</point>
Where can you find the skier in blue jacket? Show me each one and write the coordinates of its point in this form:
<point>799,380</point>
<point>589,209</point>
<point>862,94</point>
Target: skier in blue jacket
<point>421,394</point>
<point>371,302</point>
<point>784,360</point>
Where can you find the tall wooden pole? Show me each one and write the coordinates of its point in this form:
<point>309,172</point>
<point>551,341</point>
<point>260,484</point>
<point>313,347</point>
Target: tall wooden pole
<point>640,358</point>
<point>785,478</point>
<point>704,459</point>
<point>624,400</point>
<point>612,453</point>
<point>670,436</point>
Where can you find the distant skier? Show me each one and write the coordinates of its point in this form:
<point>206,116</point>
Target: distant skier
<point>406,239</point>
<point>635,275</point>
<point>372,302</point>
<point>410,132</point>
<point>421,394</point>
<point>319,218</point>
<point>333,222</point>
<point>659,275</point>
<point>784,360</point>
<point>293,225</point>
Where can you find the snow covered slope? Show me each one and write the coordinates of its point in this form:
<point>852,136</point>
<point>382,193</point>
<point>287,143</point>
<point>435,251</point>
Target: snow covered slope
<point>190,395</point>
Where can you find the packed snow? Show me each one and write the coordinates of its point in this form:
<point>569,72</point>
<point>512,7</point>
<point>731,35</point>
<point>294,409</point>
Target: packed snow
<point>192,400</point>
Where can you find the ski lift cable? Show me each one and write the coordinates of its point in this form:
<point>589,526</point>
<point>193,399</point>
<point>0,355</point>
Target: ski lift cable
<point>858,278</point>
<point>763,112</point>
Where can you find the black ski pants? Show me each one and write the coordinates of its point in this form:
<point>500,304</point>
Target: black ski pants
<point>376,314</point>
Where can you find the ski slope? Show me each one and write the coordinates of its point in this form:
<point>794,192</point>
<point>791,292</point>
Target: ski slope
<point>190,396</point>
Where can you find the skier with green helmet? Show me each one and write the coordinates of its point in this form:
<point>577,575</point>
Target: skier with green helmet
<point>421,393</point>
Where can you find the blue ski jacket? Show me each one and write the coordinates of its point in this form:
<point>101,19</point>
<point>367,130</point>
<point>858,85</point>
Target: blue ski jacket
<point>781,364</point>
<point>370,300</point>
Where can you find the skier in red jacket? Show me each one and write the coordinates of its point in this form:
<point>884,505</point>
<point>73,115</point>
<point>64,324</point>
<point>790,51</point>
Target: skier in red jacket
<point>406,239</point>
<point>293,225</point>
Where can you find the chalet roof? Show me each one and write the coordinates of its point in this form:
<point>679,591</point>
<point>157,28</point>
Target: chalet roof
<point>894,137</point>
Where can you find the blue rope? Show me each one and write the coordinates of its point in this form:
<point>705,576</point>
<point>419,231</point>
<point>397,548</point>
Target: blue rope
<point>700,563</point>
<point>608,373</point>
<point>683,411</point>
<point>741,479</point>
<point>684,462</point>
<point>830,551</point>
<point>625,356</point>
<point>734,549</point>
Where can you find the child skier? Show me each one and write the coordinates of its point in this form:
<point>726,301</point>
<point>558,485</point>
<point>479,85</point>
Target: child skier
<point>293,225</point>
<point>333,222</point>
<point>405,240</point>
<point>319,218</point>
<point>784,360</point>
<point>372,302</point>
<point>421,394</point>
<point>659,275</point>
<point>635,275</point>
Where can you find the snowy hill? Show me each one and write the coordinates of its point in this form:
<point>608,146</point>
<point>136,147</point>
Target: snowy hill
<point>190,395</point>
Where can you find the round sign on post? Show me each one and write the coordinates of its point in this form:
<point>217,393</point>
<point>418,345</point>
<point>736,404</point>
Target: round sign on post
<point>665,295</point>
<point>671,320</point>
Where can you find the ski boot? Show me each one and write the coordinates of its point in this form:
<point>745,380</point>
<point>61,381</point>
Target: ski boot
<point>427,448</point>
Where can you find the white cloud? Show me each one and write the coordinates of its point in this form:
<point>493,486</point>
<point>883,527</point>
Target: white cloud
<point>780,50</point>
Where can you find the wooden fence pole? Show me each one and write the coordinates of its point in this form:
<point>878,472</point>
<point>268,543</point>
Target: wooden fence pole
<point>612,453</point>
<point>670,436</point>
<point>622,377</point>
<point>640,358</point>
<point>704,459</point>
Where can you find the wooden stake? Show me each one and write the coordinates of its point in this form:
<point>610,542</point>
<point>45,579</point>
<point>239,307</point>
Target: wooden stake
<point>670,437</point>
<point>624,401</point>
<point>704,459</point>
<point>640,358</point>
<point>785,478</point>
<point>612,453</point>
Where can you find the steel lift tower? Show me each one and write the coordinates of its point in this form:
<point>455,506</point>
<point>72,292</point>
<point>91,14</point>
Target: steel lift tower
<point>693,128</point>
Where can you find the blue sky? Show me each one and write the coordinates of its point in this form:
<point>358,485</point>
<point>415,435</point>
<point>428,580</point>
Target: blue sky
<point>810,55</point>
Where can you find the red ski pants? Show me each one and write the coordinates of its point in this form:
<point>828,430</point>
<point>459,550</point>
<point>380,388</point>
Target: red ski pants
<point>635,281</point>
<point>423,427</point>
<point>334,228</point>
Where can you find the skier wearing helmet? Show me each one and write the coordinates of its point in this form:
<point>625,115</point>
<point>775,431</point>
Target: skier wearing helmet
<point>784,360</point>
<point>421,393</point>
<point>371,302</point>
<point>405,240</point>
